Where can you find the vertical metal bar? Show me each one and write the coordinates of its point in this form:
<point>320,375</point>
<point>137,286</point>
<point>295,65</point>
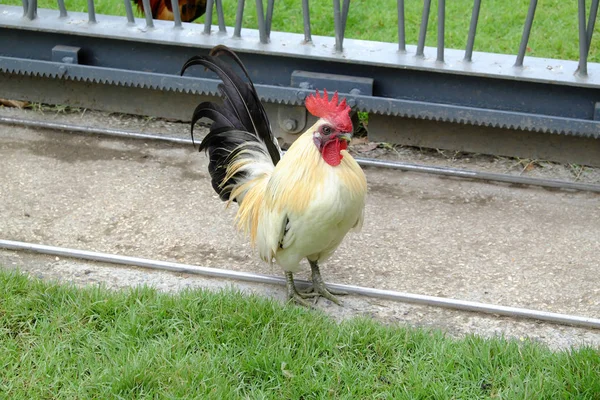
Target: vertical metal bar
<point>269,19</point>
<point>441,29</point>
<point>91,11</point>
<point>401,28</point>
<point>260,13</point>
<point>423,28</point>
<point>25,7</point>
<point>306,17</point>
<point>472,30</point>
<point>62,8</point>
<point>345,10</point>
<point>583,46</point>
<point>208,16</point>
<point>176,13</point>
<point>591,23</point>
<point>337,26</point>
<point>526,32</point>
<point>221,16</point>
<point>129,12</point>
<point>148,13</point>
<point>239,15</point>
<point>32,10</point>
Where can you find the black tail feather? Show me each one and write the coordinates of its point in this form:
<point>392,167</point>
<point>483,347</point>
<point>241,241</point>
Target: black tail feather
<point>237,123</point>
<point>260,110</point>
<point>223,144</point>
<point>220,116</point>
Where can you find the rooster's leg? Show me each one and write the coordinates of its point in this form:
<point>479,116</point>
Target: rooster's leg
<point>293,294</point>
<point>319,288</point>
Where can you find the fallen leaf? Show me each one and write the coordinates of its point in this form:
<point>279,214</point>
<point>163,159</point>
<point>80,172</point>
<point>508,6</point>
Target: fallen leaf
<point>529,167</point>
<point>365,148</point>
<point>285,371</point>
<point>359,140</point>
<point>14,103</point>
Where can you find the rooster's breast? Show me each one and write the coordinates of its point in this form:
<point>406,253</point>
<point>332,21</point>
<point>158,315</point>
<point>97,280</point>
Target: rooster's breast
<point>333,210</point>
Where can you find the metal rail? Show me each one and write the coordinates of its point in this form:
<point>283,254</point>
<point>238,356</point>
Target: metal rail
<point>408,82</point>
<point>513,312</point>
<point>366,162</point>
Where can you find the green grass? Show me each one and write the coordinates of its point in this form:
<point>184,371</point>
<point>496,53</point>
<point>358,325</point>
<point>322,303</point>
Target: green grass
<point>554,34</point>
<point>60,342</point>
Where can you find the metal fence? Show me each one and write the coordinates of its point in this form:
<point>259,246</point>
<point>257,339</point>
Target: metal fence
<point>79,59</point>
<point>340,17</point>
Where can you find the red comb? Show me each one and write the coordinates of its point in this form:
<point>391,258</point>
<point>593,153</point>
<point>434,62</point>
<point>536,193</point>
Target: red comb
<point>336,114</point>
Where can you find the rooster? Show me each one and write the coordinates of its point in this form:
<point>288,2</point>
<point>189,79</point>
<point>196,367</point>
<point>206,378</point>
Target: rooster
<point>295,205</point>
<point>189,10</point>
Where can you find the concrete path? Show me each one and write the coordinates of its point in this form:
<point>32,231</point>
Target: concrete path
<point>513,246</point>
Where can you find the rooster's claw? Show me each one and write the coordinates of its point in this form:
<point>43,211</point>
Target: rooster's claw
<point>292,293</point>
<point>320,290</point>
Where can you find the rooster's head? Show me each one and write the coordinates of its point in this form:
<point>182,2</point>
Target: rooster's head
<point>334,129</point>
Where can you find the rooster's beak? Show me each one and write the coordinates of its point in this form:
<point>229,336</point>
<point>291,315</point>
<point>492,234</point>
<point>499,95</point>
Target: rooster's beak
<point>345,136</point>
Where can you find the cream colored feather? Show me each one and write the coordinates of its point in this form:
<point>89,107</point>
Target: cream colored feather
<point>303,207</point>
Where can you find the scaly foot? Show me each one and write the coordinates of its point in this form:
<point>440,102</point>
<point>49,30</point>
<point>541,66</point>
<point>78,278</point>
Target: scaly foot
<point>319,289</point>
<point>292,293</point>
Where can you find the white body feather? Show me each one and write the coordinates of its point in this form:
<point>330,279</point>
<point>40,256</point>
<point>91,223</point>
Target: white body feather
<point>308,206</point>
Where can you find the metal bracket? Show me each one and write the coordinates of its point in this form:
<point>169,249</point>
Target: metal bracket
<point>597,111</point>
<point>66,54</point>
<point>291,120</point>
<point>354,85</point>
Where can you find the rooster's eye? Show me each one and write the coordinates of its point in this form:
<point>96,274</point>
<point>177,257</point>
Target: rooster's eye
<point>326,130</point>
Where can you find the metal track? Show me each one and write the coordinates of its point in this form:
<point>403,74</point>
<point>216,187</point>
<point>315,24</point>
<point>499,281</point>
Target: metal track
<point>480,92</point>
<point>295,97</point>
<point>513,312</point>
<point>366,162</point>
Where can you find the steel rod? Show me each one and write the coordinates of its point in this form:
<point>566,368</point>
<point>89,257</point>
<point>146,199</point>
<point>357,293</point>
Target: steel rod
<point>25,7</point>
<point>148,13</point>
<point>441,29</point>
<point>401,27</point>
<point>337,23</point>
<point>221,16</point>
<point>32,10</point>
<point>463,305</point>
<point>526,32</point>
<point>208,16</point>
<point>591,24</point>
<point>423,28</point>
<point>583,46</point>
<point>176,13</point>
<point>365,162</point>
<point>90,130</point>
<point>91,11</point>
<point>472,30</point>
<point>486,176</point>
<point>62,9</point>
<point>262,29</point>
<point>239,16</point>
<point>269,18</point>
<point>129,12</point>
<point>345,11</point>
<point>306,19</point>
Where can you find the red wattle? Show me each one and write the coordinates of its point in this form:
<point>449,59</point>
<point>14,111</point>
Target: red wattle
<point>331,152</point>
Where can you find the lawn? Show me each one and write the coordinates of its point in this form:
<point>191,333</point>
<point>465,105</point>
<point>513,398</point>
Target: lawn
<point>554,34</point>
<point>58,341</point>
